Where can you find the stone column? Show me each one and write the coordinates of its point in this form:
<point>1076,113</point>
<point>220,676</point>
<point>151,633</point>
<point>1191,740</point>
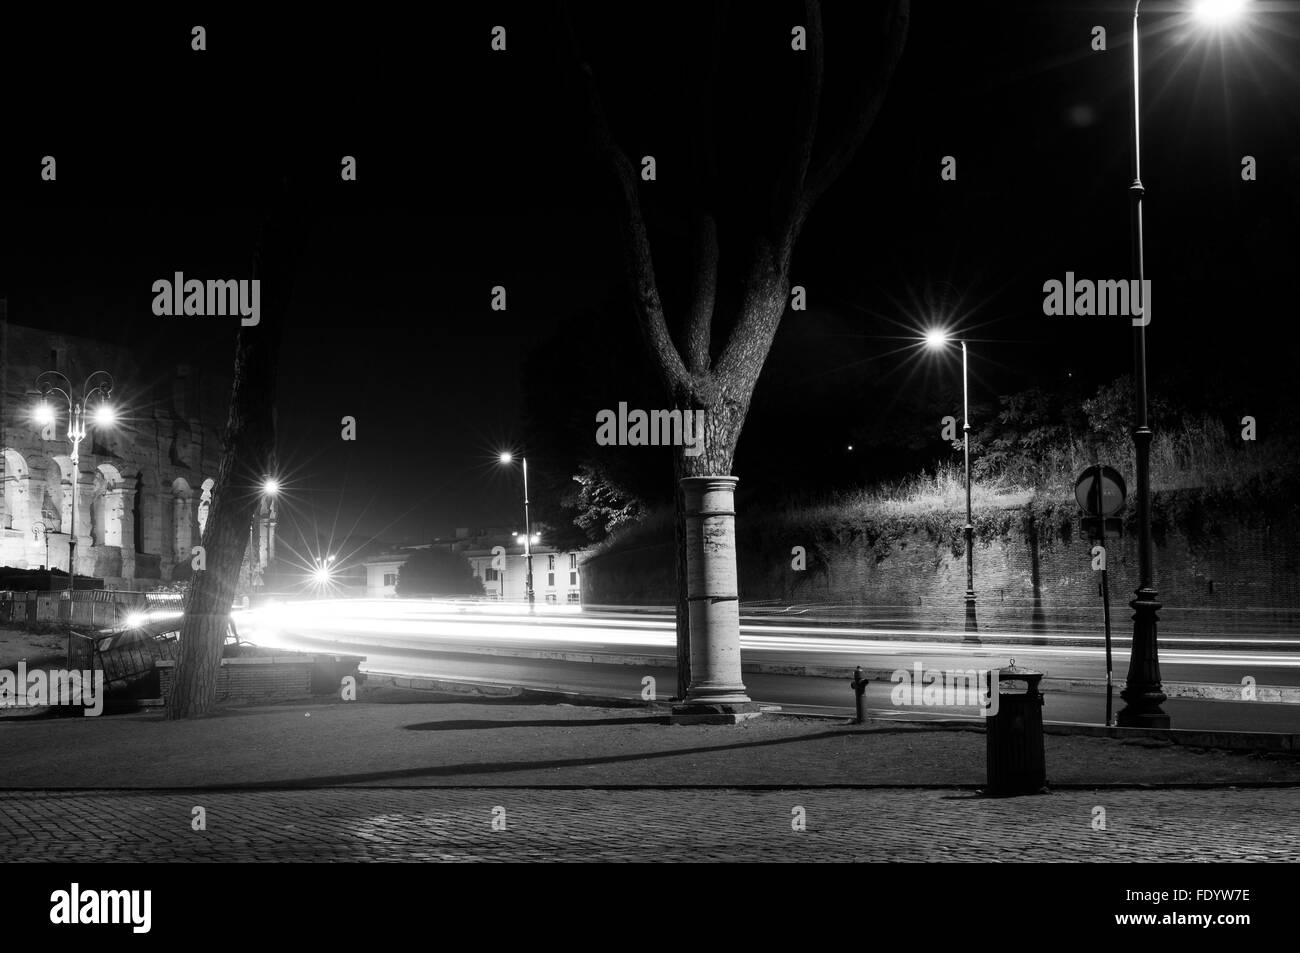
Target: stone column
<point>182,534</point>
<point>125,508</point>
<point>717,692</point>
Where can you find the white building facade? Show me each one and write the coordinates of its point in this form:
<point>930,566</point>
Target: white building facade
<point>502,568</point>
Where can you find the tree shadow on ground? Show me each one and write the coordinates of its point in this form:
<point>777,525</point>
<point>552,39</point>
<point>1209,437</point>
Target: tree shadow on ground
<point>546,723</point>
<point>412,696</point>
<point>510,767</point>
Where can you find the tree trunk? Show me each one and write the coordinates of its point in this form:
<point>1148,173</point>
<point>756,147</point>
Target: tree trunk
<point>248,457</point>
<point>708,625</point>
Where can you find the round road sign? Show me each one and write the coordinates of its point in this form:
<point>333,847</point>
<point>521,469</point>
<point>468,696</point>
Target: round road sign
<point>1100,491</point>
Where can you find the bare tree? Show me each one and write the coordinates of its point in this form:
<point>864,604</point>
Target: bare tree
<point>693,376</point>
<point>248,455</point>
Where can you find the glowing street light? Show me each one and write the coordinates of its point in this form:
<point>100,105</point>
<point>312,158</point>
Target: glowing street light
<point>271,486</point>
<point>324,571</point>
<point>100,385</point>
<point>936,339</point>
<point>1218,12</point>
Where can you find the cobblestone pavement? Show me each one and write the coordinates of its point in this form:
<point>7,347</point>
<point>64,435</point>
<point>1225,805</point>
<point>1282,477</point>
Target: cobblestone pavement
<point>368,824</point>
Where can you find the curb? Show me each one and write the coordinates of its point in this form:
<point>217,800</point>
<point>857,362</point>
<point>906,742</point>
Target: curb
<point>1280,742</point>
<point>1189,737</point>
<point>1206,691</point>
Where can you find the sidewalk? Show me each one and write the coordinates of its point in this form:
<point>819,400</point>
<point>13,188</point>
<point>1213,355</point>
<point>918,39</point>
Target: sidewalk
<point>650,825</point>
<point>405,775</point>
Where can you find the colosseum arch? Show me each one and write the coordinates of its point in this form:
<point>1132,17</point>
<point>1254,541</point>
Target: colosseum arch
<point>17,491</point>
<point>107,506</point>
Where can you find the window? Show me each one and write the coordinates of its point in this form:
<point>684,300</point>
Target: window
<point>573,578</point>
<point>573,560</point>
<point>390,579</point>
<point>491,574</point>
<point>550,562</point>
<point>550,579</point>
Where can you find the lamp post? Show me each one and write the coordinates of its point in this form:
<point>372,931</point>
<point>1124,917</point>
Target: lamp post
<point>1143,692</point>
<point>99,383</point>
<point>506,458</point>
<point>323,574</point>
<point>935,340</point>
<point>39,530</point>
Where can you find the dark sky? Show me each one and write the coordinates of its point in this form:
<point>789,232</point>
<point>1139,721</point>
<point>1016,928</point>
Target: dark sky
<point>474,170</point>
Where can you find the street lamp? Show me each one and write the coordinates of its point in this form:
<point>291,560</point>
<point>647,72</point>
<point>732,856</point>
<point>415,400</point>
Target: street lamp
<point>324,571</point>
<point>506,459</point>
<point>99,383</point>
<point>1143,693</point>
<point>39,530</point>
<point>1215,12</point>
<point>935,340</point>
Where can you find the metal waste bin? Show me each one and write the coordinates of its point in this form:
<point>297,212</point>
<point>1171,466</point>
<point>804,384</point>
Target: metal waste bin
<point>1016,762</point>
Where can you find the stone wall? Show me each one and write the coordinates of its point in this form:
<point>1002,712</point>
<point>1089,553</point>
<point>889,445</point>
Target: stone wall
<point>1220,564</point>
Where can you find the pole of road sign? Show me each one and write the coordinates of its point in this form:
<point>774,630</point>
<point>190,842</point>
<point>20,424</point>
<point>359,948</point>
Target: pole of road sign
<point>1105,589</point>
<point>1106,484</point>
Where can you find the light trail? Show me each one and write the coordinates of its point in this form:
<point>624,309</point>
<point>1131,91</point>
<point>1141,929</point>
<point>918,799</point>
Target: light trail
<point>422,625</point>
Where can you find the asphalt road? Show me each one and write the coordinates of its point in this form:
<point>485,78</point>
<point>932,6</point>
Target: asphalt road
<point>612,653</point>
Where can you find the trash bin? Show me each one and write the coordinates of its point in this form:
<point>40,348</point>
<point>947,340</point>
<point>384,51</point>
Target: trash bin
<point>1016,762</point>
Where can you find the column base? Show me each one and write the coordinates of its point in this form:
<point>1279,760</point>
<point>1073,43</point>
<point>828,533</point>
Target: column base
<point>721,713</point>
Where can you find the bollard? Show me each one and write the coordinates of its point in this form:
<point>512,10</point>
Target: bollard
<point>860,690</point>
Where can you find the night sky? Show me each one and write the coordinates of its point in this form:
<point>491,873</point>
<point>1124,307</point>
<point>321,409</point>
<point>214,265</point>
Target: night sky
<point>474,170</point>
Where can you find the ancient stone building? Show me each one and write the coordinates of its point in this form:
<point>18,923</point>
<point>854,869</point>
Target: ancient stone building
<point>144,482</point>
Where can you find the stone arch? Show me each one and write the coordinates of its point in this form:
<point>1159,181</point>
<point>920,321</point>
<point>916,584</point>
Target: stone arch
<point>107,506</point>
<point>17,491</point>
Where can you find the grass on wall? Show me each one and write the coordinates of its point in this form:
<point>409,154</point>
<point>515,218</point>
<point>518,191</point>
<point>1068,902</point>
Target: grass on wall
<point>1193,470</point>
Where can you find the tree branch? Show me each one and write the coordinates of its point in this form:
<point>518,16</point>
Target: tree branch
<point>871,97</point>
<point>787,211</point>
<point>636,248</point>
<point>704,292</point>
<point>698,339</point>
<point>760,313</point>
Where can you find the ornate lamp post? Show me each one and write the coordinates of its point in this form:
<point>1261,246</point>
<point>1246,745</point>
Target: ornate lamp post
<point>1143,692</point>
<point>99,384</point>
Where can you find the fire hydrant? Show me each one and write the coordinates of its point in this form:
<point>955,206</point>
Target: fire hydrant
<point>860,690</point>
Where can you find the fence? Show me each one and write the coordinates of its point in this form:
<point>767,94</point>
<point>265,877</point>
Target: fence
<point>101,608</point>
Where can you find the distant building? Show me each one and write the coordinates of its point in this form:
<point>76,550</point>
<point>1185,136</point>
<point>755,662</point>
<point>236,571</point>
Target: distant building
<point>498,561</point>
<point>381,573</point>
